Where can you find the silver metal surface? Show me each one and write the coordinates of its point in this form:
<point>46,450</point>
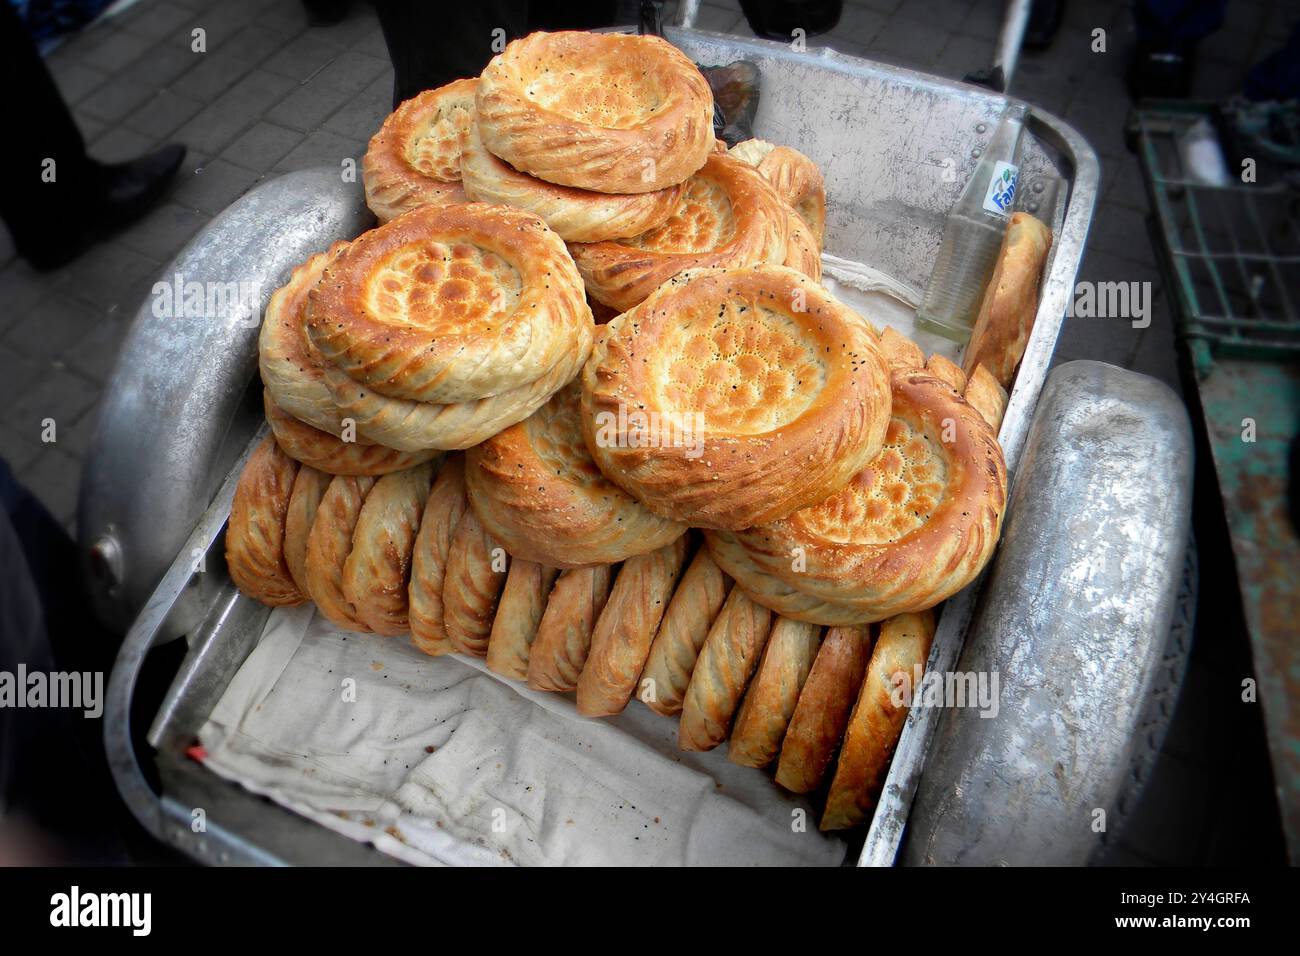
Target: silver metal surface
<point>178,408</point>
<point>1011,37</point>
<point>1074,620</point>
<point>896,147</point>
<point>688,11</point>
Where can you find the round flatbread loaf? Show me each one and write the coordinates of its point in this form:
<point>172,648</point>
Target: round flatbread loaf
<point>603,111</point>
<point>449,304</point>
<point>537,490</point>
<point>414,159</point>
<point>563,640</point>
<point>729,217</point>
<point>755,394</point>
<point>682,633</point>
<point>795,178</point>
<point>292,369</point>
<point>910,529</point>
<point>576,215</point>
<point>324,452</point>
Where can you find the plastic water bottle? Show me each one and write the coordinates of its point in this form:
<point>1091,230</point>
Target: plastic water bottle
<point>973,235</point>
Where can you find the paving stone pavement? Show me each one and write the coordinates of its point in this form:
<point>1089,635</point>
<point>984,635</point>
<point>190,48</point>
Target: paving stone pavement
<point>273,92</point>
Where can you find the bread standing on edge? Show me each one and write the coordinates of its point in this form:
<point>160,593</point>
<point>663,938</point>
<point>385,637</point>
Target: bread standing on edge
<point>823,709</point>
<point>726,662</point>
<point>523,602</point>
<point>877,719</point>
<point>773,693</point>
<point>255,531</point>
<point>1006,317</point>
<point>442,513</point>
<point>471,586</point>
<point>626,628</point>
<point>308,490</point>
<point>694,605</point>
<point>563,638</point>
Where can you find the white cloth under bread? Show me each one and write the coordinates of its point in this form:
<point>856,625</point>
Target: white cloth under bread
<point>438,761</point>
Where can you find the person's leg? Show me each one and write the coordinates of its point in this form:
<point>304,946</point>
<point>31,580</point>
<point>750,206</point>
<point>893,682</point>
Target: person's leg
<point>43,165</point>
<point>53,197</point>
<point>432,44</point>
<point>52,763</point>
<point>1168,32</point>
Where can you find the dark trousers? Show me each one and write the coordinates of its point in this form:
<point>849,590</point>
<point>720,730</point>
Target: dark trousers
<point>41,129</point>
<point>432,44</point>
<point>57,800</point>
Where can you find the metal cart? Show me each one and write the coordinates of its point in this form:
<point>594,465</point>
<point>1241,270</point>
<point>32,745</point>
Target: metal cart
<point>895,146</point>
<point>1229,251</point>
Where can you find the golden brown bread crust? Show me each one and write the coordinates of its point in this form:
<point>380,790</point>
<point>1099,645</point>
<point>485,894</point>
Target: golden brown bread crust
<point>328,547</point>
<point>324,452</point>
<point>442,513</point>
<point>602,111</point>
<point>414,159</point>
<point>416,426</point>
<point>729,217</point>
<point>537,490</point>
<point>911,529</point>
<point>769,703</point>
<point>290,365</point>
<point>621,639</point>
<point>682,633</point>
<point>523,601</point>
<point>877,720</point>
<point>471,586</point>
<point>308,489</point>
<point>730,653</point>
<point>900,351</point>
<point>795,178</point>
<point>946,371</point>
<point>1006,316</point>
<point>449,304</point>
<point>378,568</point>
<point>822,712</point>
<point>255,531</point>
<point>770,590</point>
<point>563,638</point>
<point>576,215</point>
<point>801,252</point>
<point>786,385</point>
<point>799,182</point>
<point>987,396</point>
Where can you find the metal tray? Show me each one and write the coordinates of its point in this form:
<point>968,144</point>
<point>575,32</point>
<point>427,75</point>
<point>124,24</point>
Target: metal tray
<point>895,146</point>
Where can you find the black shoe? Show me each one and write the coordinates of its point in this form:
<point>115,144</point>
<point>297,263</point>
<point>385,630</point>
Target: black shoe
<point>127,190</point>
<point>1163,74</point>
<point>115,196</point>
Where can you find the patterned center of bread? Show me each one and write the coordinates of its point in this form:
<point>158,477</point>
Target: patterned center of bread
<point>435,148</point>
<point>703,221</point>
<point>555,435</point>
<point>745,367</point>
<point>451,288</point>
<point>893,496</point>
<point>610,93</point>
